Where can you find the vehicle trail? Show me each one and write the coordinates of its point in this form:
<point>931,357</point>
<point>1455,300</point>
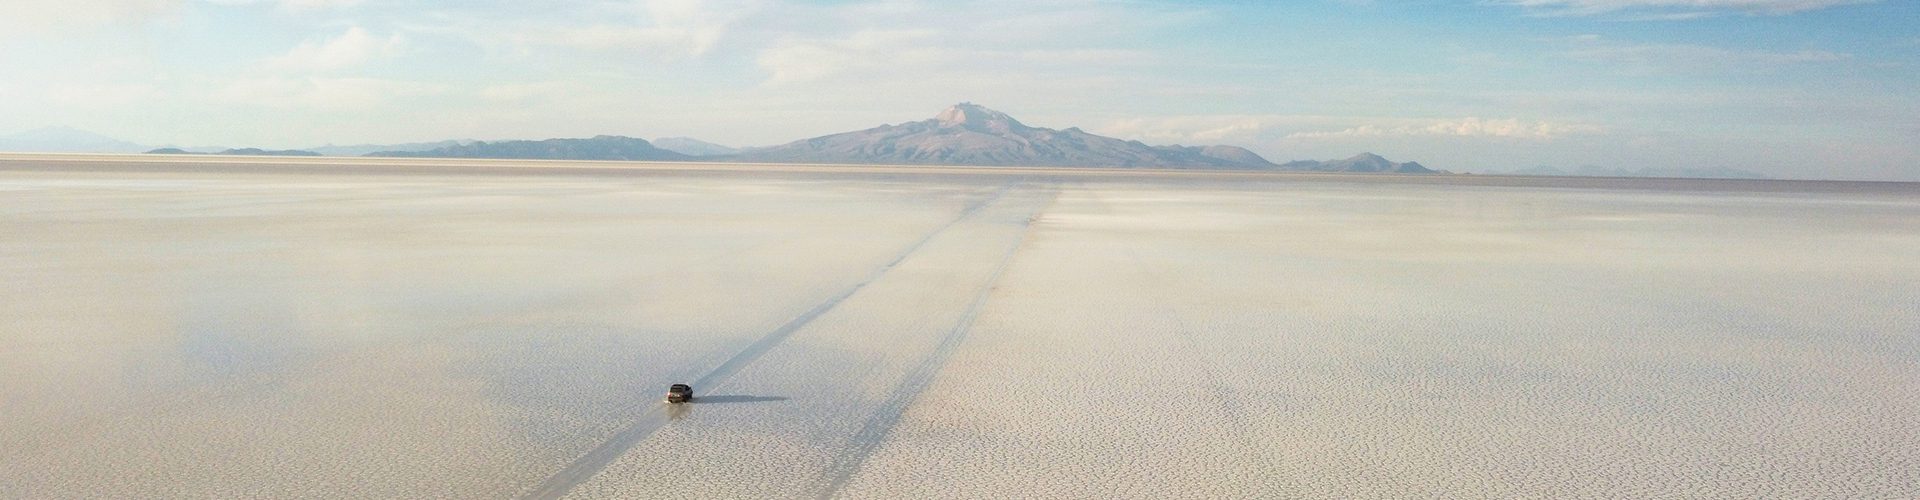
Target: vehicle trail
<point>528,312</point>
<point>864,442</point>
<point>655,416</point>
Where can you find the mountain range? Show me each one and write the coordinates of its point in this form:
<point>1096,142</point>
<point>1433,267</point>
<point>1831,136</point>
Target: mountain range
<point>605,147</point>
<point>1364,163</point>
<point>970,134</point>
<point>236,151</point>
<point>693,147</point>
<point>962,134</point>
<point>363,149</point>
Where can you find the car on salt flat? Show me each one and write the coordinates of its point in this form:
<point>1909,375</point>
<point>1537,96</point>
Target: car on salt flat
<point>679,393</point>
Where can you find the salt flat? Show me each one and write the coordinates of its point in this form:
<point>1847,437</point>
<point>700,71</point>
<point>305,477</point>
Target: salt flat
<point>415,329</point>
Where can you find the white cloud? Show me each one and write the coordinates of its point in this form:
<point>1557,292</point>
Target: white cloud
<point>37,16</point>
<point>350,49</point>
<point>322,93</point>
<point>293,5</point>
<point>1256,129</point>
<point>1208,129</point>
<point>667,29</point>
<point>796,61</point>
<point>1676,9</point>
<point>59,16</point>
<point>924,56</point>
<point>922,41</point>
<point>530,92</point>
<point>102,95</point>
<point>1509,128</point>
<point>1691,57</point>
<point>319,4</point>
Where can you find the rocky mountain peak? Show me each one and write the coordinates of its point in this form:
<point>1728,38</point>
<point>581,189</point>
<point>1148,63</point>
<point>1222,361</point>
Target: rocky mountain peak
<point>977,117</point>
<point>1371,162</point>
<point>1367,157</point>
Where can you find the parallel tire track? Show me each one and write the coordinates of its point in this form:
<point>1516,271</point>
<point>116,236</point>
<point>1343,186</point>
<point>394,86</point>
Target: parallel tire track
<point>655,417</point>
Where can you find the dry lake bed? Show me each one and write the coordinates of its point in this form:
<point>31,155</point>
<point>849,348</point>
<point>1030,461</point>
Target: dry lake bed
<point>183,330</point>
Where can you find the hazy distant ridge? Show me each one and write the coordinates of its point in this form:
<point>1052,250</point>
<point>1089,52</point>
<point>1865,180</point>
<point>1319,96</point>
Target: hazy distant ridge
<point>605,147</point>
<point>693,147</point>
<point>364,149</point>
<point>237,151</point>
<point>963,134</point>
<point>1364,163</point>
<point>65,140</point>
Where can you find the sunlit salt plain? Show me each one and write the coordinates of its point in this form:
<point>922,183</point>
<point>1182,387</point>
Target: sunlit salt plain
<point>974,336</point>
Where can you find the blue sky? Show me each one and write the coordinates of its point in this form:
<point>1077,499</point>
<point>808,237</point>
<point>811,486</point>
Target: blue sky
<point>1791,88</point>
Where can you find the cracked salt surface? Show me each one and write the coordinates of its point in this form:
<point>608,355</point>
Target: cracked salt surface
<point>223,335</point>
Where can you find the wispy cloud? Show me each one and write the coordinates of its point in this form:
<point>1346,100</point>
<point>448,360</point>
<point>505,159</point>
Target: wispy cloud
<point>530,92</point>
<point>1251,129</point>
<point>1674,9</point>
<point>48,16</point>
<point>321,93</point>
<point>352,48</point>
<point>658,29</point>
<point>911,39</point>
<point>1508,128</point>
<point>53,16</point>
<point>1690,56</point>
<point>803,60</point>
<point>103,95</point>
<point>292,5</point>
<point>319,4</point>
<point>1204,129</point>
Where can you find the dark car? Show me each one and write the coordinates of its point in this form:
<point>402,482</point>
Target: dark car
<point>679,393</point>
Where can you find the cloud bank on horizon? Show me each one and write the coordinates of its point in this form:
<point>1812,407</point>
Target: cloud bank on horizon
<point>1680,9</point>
<point>1792,88</point>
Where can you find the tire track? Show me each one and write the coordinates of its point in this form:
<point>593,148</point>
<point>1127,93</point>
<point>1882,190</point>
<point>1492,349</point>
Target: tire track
<point>875,430</point>
<point>655,417</point>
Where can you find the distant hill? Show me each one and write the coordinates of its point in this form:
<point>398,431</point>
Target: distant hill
<point>1364,163</point>
<point>237,151</point>
<point>362,149</point>
<point>1679,173</point>
<point>65,140</point>
<point>605,147</point>
<point>970,134</point>
<point>962,134</point>
<point>693,147</point>
<point>267,152</point>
